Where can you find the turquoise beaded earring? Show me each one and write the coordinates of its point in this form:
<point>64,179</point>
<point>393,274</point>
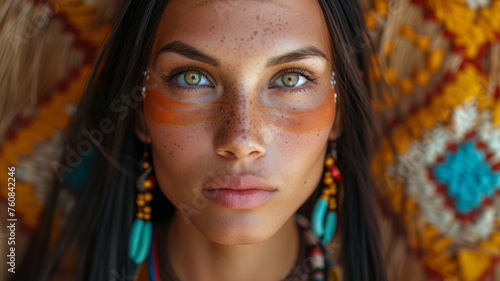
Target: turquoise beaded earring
<point>324,215</point>
<point>142,228</point>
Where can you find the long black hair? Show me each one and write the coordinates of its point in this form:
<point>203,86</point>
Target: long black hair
<point>101,146</point>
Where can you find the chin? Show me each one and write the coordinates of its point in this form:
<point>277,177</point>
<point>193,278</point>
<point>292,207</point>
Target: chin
<point>236,227</point>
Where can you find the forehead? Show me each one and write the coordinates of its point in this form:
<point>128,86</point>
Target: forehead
<point>244,26</point>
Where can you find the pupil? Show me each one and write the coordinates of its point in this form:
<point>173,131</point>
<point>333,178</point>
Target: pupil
<point>192,78</point>
<point>290,80</point>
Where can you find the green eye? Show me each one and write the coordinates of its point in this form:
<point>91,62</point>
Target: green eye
<point>290,79</point>
<point>192,78</point>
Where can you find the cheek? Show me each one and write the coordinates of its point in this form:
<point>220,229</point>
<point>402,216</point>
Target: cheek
<point>178,134</point>
<point>163,110</point>
<point>304,122</point>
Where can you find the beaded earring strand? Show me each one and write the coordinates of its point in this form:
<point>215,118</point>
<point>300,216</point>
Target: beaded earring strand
<point>142,228</point>
<point>324,215</point>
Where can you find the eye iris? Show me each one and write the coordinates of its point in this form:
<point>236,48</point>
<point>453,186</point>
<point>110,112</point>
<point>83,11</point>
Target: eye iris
<point>290,79</point>
<point>192,78</point>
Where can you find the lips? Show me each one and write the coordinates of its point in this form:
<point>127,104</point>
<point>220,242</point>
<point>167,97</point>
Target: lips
<point>238,192</point>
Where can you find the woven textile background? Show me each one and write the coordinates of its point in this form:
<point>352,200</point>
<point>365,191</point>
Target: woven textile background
<point>437,68</point>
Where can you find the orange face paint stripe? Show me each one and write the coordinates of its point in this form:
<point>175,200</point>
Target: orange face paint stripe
<point>303,122</point>
<point>170,112</point>
<point>162,109</point>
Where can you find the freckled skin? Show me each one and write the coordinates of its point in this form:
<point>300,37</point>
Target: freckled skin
<point>244,112</point>
<point>166,111</point>
<point>235,125</point>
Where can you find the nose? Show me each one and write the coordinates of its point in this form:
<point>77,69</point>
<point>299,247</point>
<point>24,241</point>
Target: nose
<point>241,131</point>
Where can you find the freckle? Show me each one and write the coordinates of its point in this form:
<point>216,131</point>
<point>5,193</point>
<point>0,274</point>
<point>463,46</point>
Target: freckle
<point>164,146</point>
<point>258,17</point>
<point>305,182</point>
<point>317,135</point>
<point>241,39</point>
<point>171,153</point>
<point>255,33</point>
<point>227,122</point>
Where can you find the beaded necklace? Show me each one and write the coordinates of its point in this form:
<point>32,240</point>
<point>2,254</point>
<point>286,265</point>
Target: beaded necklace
<point>317,266</point>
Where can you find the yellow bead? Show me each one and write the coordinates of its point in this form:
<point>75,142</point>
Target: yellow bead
<point>147,216</point>
<point>145,164</point>
<point>140,203</point>
<point>140,215</point>
<point>147,210</point>
<point>327,175</point>
<point>333,189</point>
<point>148,196</point>
<point>332,204</point>
<point>325,194</point>
<point>140,196</point>
<point>328,181</point>
<point>329,161</point>
<point>147,184</point>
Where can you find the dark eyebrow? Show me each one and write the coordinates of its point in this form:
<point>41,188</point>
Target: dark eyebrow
<point>188,51</point>
<point>299,54</point>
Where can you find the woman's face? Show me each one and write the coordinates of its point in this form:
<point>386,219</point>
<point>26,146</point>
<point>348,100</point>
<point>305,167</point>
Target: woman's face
<point>239,108</point>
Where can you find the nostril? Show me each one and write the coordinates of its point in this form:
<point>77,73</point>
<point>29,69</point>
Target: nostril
<point>226,153</point>
<point>240,146</point>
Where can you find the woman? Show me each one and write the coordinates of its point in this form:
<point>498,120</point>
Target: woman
<point>244,113</point>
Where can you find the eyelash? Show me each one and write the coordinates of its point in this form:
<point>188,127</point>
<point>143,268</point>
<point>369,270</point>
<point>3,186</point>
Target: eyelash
<point>169,79</point>
<point>301,89</point>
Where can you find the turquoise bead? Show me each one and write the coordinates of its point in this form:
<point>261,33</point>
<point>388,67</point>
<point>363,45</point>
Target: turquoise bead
<point>330,226</point>
<point>134,239</point>
<point>140,240</point>
<point>318,217</point>
<point>145,243</point>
